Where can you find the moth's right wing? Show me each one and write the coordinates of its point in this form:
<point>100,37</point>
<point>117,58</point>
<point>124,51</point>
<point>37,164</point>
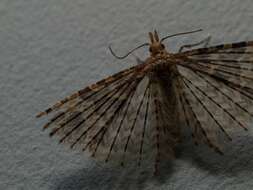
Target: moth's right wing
<point>215,89</point>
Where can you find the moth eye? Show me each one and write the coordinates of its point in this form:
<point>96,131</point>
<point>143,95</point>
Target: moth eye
<point>162,46</point>
<point>150,49</point>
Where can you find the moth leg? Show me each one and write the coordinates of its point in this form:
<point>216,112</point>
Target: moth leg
<point>205,43</point>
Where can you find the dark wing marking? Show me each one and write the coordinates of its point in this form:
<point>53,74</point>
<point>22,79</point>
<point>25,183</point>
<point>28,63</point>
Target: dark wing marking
<point>218,83</point>
<point>144,127</point>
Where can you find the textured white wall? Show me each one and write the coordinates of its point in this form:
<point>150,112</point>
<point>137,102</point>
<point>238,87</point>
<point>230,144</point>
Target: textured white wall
<point>50,48</point>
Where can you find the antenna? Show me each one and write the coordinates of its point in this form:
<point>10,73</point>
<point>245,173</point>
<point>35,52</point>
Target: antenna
<point>131,51</point>
<point>178,34</point>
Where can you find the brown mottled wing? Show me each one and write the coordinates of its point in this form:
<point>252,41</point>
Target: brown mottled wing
<point>215,90</point>
<point>126,117</point>
<point>90,91</point>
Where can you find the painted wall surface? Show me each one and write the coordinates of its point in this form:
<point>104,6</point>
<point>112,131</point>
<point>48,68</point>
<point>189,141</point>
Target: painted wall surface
<point>51,48</point>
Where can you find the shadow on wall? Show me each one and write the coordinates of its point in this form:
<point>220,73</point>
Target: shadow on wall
<point>109,179</point>
<point>237,158</point>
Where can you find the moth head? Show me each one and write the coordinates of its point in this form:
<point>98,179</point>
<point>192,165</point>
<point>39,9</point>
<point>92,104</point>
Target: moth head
<point>155,46</point>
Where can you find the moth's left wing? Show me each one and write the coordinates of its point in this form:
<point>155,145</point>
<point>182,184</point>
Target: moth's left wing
<point>217,88</point>
<point>121,118</point>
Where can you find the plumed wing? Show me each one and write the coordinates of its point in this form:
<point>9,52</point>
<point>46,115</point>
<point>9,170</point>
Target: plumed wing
<point>90,91</point>
<point>123,118</point>
<point>215,90</point>
<point>230,63</point>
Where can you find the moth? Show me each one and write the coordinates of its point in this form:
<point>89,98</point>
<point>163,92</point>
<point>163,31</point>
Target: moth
<point>137,114</point>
